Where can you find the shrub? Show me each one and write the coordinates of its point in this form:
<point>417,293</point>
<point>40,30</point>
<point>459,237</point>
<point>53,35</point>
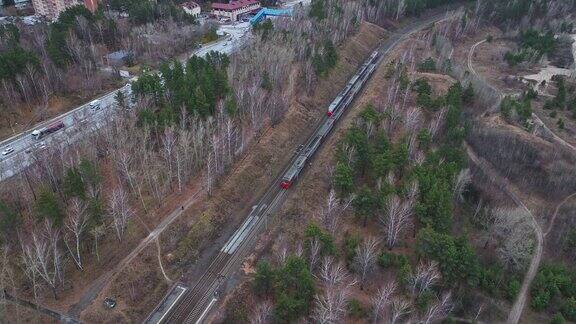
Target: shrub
<point>489,279</point>
<point>350,244</point>
<point>343,178</point>
<point>513,289</point>
<point>387,259</point>
<point>313,231</point>
<point>456,258</point>
<point>428,65</point>
<point>569,309</point>
<point>264,277</point>
<point>355,309</point>
<point>294,290</point>
<point>570,240</point>
<point>423,300</point>
<point>552,280</point>
<point>558,319</point>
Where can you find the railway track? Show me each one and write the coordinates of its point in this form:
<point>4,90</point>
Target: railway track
<point>194,306</point>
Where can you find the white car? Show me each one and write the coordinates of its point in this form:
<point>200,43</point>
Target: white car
<point>8,150</point>
<point>95,105</point>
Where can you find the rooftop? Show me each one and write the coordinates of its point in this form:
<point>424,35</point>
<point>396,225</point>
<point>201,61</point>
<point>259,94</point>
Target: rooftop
<point>233,5</point>
<point>189,5</point>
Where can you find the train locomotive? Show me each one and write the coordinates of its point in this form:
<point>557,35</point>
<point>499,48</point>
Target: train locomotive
<point>335,110</point>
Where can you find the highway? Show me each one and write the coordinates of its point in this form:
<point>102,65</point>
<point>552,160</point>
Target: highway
<point>195,303</point>
<point>82,120</point>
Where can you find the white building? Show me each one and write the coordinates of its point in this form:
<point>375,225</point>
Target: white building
<point>51,9</point>
<point>191,8</point>
<point>233,9</point>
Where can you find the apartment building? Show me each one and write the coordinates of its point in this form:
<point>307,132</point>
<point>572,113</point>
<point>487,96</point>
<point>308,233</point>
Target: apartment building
<point>51,9</point>
<point>191,8</point>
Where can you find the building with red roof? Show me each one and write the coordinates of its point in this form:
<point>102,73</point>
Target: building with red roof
<point>234,8</point>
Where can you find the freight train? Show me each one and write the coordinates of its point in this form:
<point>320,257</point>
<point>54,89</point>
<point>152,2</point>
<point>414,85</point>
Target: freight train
<point>335,110</point>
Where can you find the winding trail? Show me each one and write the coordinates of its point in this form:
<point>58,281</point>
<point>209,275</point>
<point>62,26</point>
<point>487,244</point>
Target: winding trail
<point>553,219</point>
<point>496,106</point>
<point>537,121</point>
<point>520,302</point>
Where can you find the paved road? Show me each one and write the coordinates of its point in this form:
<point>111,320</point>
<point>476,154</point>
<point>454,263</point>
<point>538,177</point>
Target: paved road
<point>196,303</point>
<point>82,119</point>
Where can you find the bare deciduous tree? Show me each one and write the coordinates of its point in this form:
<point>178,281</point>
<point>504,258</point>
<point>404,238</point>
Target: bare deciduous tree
<point>120,210</point>
<point>42,258</point>
<point>330,306</point>
<point>262,313</point>
<point>314,253</point>
<point>332,214</point>
<point>76,224</point>
<point>400,308</point>
<point>396,218</point>
<point>514,231</point>
<point>97,232</point>
<point>7,282</point>
<point>333,273</point>
<point>439,310</point>
<point>365,258</point>
<point>462,180</point>
<point>382,300</point>
<point>426,275</point>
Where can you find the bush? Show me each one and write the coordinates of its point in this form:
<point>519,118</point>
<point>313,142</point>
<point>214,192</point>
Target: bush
<point>294,290</point>
<point>558,319</point>
<point>570,241</point>
<point>423,300</point>
<point>317,9</point>
<point>428,65</point>
<point>355,309</point>
<point>455,256</point>
<point>387,260</point>
<point>513,289</point>
<point>324,61</point>
<point>553,280</point>
<point>569,309</point>
<point>350,244</point>
<point>264,277</point>
<point>48,207</point>
<point>489,279</point>
<point>315,232</point>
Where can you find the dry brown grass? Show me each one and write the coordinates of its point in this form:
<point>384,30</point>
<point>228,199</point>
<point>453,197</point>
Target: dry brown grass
<point>136,289</point>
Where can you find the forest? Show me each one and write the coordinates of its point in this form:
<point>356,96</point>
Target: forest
<point>46,67</point>
<point>193,121</point>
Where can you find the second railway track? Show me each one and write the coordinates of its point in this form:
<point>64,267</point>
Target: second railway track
<point>194,306</point>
